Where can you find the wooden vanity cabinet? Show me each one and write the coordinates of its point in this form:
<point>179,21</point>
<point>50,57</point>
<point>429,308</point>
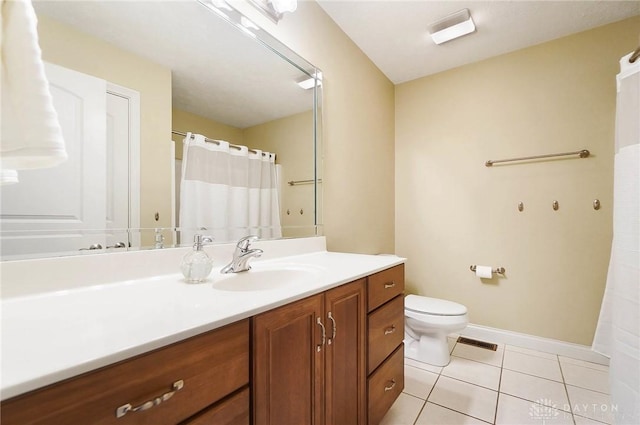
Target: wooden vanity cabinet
<point>335,358</point>
<point>309,361</point>
<point>385,333</point>
<point>210,367</point>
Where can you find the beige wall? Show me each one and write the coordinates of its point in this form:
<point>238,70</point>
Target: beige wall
<point>67,47</point>
<point>289,138</point>
<point>358,127</point>
<point>452,211</point>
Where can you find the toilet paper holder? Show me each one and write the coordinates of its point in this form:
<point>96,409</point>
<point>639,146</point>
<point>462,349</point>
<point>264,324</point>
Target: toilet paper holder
<point>497,270</point>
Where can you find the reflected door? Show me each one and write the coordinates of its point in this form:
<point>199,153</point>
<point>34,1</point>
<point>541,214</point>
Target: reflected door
<point>63,203</point>
<point>122,203</point>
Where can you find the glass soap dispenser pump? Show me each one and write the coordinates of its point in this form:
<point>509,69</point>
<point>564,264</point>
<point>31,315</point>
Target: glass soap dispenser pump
<point>196,265</point>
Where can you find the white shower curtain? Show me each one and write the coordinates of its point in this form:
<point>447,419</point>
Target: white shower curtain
<point>227,192</point>
<point>618,332</point>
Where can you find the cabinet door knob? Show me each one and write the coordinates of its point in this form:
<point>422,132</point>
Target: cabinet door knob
<point>390,330</point>
<point>126,408</point>
<point>389,285</point>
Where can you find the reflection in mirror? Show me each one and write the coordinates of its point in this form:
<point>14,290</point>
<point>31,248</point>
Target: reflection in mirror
<point>130,80</point>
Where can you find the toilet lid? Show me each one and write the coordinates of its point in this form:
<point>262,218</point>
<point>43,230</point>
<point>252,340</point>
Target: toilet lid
<point>434,306</point>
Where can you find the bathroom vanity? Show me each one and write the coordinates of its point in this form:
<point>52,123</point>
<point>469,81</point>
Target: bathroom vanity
<point>323,351</point>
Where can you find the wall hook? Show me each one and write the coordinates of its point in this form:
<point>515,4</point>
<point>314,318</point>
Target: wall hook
<point>520,206</point>
<point>596,204</point>
<point>555,205</point>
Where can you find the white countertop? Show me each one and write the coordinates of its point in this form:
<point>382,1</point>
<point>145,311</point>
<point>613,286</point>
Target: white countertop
<point>54,335</point>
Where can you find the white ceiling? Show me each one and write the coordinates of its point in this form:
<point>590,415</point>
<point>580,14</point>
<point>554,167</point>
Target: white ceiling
<point>393,33</point>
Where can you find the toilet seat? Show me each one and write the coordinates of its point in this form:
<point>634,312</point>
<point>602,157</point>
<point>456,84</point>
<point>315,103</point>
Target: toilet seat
<point>433,306</point>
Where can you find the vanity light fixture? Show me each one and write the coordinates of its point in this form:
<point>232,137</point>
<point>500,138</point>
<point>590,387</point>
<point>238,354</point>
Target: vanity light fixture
<point>274,9</point>
<point>218,6</point>
<point>310,82</point>
<point>282,6</point>
<point>451,27</point>
<point>248,23</point>
<point>221,4</point>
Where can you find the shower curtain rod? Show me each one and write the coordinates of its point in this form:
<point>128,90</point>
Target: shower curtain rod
<point>217,142</point>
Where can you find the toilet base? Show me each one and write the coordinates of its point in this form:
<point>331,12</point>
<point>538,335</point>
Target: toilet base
<point>432,349</point>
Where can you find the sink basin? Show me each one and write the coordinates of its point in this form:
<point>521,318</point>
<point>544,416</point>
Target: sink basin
<point>266,277</point>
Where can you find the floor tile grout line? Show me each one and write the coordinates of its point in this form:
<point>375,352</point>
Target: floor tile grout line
<point>588,389</point>
<point>419,413</point>
<point>535,376</point>
<point>495,416</point>
<point>468,383</point>
<point>532,355</point>
<point>591,419</point>
<point>582,367</point>
<point>587,364</point>
<point>426,400</point>
<point>457,411</point>
<point>535,402</point>
<point>566,391</point>
<point>471,383</point>
<point>434,387</point>
<point>474,360</point>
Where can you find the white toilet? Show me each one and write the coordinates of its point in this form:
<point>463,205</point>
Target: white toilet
<point>428,321</point>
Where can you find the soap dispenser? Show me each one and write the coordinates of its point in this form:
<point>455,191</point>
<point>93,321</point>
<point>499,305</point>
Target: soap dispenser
<point>196,265</point>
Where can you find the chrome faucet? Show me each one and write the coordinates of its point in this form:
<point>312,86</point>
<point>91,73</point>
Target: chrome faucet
<point>242,255</point>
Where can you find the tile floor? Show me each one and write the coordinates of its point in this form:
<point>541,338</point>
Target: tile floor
<point>510,386</point>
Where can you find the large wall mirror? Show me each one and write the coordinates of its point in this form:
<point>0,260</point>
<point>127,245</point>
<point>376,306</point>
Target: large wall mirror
<point>130,81</point>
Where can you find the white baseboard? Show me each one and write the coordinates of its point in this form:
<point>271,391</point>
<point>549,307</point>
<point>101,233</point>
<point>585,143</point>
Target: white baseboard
<point>547,345</point>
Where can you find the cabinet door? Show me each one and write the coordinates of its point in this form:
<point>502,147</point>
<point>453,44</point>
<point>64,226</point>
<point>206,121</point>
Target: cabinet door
<point>288,367</point>
<point>345,370</point>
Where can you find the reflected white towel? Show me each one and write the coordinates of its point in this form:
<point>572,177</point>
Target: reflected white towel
<point>31,136</point>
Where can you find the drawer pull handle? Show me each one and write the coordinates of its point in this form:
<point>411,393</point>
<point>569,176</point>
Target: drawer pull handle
<point>390,330</point>
<point>390,387</point>
<point>389,285</point>
<point>333,334</point>
<point>324,335</point>
<point>126,408</point>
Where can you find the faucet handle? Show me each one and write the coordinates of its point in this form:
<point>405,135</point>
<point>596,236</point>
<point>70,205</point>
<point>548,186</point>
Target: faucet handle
<point>199,240</point>
<point>246,241</point>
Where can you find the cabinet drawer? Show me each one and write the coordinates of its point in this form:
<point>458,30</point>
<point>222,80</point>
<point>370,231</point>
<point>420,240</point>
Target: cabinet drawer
<point>231,411</point>
<point>385,385</point>
<point>211,366</point>
<point>384,286</point>
<point>385,331</point>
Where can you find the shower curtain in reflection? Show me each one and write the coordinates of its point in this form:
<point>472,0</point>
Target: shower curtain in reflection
<point>227,192</point>
<point>618,332</point>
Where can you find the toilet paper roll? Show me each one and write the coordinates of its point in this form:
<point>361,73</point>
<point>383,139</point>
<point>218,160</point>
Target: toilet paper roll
<point>484,272</point>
